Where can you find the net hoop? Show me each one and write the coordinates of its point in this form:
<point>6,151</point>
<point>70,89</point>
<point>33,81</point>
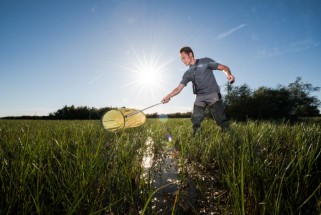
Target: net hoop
<point>113,120</point>
<point>116,120</point>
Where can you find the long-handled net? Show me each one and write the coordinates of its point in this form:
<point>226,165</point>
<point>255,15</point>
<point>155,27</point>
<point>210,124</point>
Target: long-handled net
<point>115,120</point>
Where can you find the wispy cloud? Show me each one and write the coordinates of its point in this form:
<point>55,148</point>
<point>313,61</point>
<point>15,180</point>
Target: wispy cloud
<point>267,53</point>
<point>297,46</point>
<point>303,45</point>
<point>229,32</point>
<point>93,80</point>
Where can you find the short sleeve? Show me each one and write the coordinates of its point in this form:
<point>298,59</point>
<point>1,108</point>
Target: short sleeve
<point>212,64</point>
<point>185,79</point>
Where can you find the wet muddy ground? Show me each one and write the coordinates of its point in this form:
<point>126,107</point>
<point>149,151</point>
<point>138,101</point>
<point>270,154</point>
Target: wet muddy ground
<point>184,187</point>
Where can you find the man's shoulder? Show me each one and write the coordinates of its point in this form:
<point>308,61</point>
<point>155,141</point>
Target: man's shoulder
<point>209,63</point>
<point>188,72</point>
<point>205,60</point>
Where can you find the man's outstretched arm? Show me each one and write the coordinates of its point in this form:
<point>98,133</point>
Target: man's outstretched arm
<point>176,91</point>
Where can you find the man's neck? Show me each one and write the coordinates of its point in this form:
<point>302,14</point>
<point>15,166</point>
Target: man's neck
<point>193,62</point>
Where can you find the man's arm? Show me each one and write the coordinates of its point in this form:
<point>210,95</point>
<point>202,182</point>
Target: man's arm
<point>227,72</point>
<point>176,91</point>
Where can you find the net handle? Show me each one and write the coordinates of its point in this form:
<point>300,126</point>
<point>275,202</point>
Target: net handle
<point>138,111</point>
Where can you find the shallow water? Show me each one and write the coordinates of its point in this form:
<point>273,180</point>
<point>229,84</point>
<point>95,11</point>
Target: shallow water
<point>186,187</point>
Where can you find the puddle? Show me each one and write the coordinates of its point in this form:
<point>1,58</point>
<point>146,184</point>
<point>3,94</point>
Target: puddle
<point>186,188</point>
<point>148,156</point>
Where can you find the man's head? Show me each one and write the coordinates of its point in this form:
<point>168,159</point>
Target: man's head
<point>187,55</point>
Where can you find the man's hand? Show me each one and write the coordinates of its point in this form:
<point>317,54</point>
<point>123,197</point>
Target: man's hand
<point>176,91</point>
<point>165,100</point>
<point>231,78</point>
<point>228,73</point>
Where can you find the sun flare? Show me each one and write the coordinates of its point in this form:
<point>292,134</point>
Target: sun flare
<point>148,75</point>
<point>146,72</point>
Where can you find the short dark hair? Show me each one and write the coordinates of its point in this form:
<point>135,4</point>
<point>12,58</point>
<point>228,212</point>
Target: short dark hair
<point>187,50</point>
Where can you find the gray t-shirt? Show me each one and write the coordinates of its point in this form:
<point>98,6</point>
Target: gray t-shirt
<point>204,77</point>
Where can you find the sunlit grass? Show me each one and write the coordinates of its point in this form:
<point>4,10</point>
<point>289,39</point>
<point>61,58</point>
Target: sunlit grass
<point>74,167</point>
<point>266,168</point>
<point>67,167</point>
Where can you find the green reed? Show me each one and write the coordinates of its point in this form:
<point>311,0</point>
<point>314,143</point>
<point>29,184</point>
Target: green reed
<point>68,167</point>
<point>74,167</point>
<point>266,168</point>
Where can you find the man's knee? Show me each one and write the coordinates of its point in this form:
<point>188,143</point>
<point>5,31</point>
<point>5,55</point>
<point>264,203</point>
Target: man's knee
<point>218,114</point>
<point>197,117</point>
<point>198,114</point>
<point>217,107</point>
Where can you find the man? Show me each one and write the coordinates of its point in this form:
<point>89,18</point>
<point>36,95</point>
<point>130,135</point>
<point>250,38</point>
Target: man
<point>204,86</point>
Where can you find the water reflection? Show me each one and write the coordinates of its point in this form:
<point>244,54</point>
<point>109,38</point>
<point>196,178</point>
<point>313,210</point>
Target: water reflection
<point>186,186</point>
<point>148,155</point>
<point>163,118</point>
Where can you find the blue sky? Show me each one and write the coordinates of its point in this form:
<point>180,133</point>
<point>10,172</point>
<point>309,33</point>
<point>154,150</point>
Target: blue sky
<point>126,53</point>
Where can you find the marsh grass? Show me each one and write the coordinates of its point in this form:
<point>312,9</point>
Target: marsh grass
<point>74,167</point>
<point>67,167</point>
<point>266,168</point>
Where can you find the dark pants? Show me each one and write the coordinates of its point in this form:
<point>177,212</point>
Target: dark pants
<point>216,111</point>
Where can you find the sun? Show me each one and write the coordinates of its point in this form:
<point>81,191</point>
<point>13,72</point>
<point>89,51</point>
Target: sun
<point>146,70</point>
<point>148,74</point>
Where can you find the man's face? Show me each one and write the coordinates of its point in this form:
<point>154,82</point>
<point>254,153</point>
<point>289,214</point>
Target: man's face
<point>187,59</point>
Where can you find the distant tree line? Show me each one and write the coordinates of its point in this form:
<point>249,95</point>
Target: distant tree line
<point>84,112</point>
<point>171,115</point>
<point>71,113</point>
<point>81,113</point>
<point>241,103</point>
<point>284,102</point>
<point>88,113</point>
